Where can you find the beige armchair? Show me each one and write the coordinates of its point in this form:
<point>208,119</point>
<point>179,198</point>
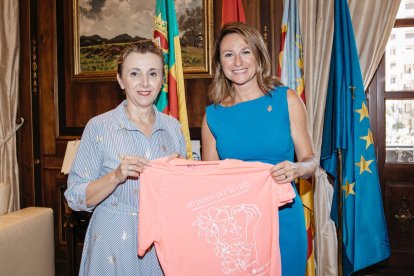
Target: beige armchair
<point>27,242</point>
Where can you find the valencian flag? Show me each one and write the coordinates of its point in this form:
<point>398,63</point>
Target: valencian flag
<point>172,96</point>
<point>232,11</point>
<point>291,54</point>
<point>290,72</point>
<point>347,129</point>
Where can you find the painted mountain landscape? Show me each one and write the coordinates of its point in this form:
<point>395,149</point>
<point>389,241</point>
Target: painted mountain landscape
<point>106,26</point>
<point>100,54</point>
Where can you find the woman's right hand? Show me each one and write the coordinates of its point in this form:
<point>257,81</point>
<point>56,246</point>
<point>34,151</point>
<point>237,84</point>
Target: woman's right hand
<point>131,166</point>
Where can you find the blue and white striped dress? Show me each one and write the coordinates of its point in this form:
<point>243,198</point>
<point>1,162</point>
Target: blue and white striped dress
<point>111,243</point>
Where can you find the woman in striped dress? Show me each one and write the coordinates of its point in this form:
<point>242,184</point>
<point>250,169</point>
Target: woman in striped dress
<point>115,148</point>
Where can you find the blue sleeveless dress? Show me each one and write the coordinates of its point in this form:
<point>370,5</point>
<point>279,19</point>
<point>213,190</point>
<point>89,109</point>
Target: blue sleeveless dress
<point>259,130</point>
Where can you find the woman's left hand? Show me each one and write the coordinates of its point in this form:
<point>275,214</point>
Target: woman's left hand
<point>285,172</point>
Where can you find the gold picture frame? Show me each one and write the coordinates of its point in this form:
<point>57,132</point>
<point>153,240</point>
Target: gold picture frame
<point>100,32</point>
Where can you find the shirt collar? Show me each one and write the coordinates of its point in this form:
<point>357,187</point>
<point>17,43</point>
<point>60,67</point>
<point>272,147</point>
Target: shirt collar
<point>122,121</point>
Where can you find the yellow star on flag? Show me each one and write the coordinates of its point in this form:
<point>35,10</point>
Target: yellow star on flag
<point>364,165</point>
<point>369,139</point>
<point>363,112</point>
<point>349,188</point>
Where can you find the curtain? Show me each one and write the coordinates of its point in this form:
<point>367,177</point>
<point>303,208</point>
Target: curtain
<point>9,92</point>
<point>317,30</point>
<point>372,21</point>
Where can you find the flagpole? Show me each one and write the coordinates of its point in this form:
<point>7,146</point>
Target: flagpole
<point>340,223</point>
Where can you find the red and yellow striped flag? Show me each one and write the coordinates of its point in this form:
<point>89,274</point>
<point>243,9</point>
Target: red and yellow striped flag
<point>172,96</point>
<point>291,74</point>
<point>232,11</point>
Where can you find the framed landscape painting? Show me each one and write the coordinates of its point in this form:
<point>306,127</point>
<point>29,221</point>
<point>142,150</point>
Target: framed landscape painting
<point>102,28</point>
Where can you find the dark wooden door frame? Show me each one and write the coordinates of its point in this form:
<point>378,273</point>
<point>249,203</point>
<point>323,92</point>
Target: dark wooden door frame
<point>395,179</point>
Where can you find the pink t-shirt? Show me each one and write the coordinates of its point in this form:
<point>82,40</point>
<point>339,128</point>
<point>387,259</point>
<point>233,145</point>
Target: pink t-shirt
<point>211,217</point>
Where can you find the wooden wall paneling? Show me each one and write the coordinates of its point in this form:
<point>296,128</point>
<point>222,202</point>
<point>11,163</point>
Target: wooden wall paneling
<point>47,74</point>
<point>53,179</point>
<point>51,160</point>
<point>252,12</point>
<point>47,84</point>
<point>217,7</point>
<point>399,202</point>
<point>196,91</point>
<point>85,100</point>
<point>46,131</point>
<point>24,135</point>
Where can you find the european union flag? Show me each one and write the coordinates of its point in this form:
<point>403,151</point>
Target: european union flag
<point>347,128</point>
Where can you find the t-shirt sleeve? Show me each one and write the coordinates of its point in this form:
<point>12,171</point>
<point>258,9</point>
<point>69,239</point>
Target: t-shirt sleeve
<point>148,215</point>
<point>286,193</point>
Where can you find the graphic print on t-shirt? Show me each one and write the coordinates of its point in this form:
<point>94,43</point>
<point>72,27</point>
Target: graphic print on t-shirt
<point>232,233</point>
<point>223,194</point>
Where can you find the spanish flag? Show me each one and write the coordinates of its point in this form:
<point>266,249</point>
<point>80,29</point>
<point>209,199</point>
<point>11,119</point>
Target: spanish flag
<point>172,97</point>
<point>232,11</point>
<point>291,74</point>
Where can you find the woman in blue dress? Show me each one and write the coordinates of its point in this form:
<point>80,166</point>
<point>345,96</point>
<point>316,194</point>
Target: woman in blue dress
<point>115,148</point>
<point>254,118</point>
